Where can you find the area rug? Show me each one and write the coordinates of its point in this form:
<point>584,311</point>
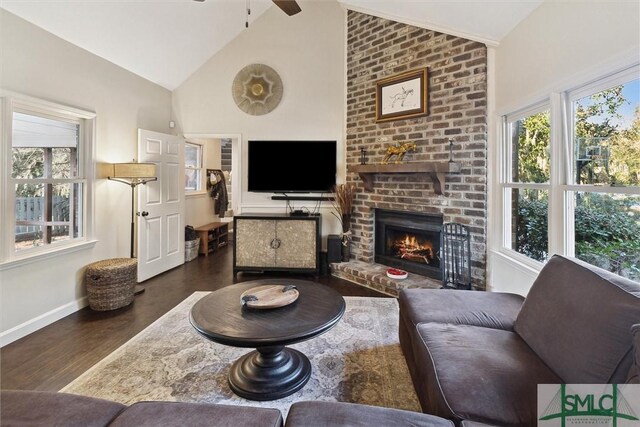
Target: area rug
<point>359,361</point>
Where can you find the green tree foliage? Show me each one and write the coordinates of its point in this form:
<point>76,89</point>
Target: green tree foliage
<point>595,115</point>
<point>532,225</point>
<point>607,231</point>
<point>613,153</point>
<point>624,161</point>
<point>534,134</point>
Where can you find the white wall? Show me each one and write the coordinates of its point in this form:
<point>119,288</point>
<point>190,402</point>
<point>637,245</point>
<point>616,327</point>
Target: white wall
<point>561,45</point>
<point>36,63</point>
<point>308,52</point>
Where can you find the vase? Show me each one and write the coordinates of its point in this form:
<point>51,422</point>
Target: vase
<point>346,251</point>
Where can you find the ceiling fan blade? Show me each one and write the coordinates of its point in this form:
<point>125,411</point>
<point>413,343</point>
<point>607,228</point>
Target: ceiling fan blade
<point>290,7</point>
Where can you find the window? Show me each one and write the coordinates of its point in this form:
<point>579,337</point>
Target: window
<point>526,182</point>
<point>605,175</point>
<point>576,191</point>
<point>193,171</point>
<point>46,177</point>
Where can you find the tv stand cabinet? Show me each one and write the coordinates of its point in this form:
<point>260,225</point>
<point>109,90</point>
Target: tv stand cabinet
<point>276,243</point>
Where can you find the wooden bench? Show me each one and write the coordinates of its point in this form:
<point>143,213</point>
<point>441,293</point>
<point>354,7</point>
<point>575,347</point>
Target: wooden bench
<point>212,236</point>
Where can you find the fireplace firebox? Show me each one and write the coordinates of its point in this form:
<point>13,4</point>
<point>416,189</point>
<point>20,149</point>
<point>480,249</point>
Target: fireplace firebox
<point>409,240</point>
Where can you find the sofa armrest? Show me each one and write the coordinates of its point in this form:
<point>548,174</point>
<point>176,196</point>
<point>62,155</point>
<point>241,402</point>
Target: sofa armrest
<point>42,408</point>
<point>486,309</point>
<point>338,414</point>
<point>152,414</point>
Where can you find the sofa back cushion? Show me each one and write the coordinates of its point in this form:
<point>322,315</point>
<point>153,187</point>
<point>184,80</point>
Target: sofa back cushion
<point>577,318</point>
<point>634,372</point>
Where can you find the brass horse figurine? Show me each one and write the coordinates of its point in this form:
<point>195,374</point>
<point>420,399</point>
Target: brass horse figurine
<point>398,150</point>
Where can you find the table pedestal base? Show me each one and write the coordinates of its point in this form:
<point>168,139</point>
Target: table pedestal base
<point>269,373</point>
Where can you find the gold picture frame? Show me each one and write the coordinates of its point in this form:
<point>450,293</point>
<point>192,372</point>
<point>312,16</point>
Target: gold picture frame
<point>402,96</point>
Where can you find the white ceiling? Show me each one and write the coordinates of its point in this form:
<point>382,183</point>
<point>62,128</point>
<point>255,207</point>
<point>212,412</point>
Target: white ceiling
<point>481,20</point>
<point>165,41</point>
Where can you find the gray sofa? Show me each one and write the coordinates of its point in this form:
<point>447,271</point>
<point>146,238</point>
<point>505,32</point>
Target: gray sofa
<point>479,356</point>
<point>475,358</point>
<point>49,409</point>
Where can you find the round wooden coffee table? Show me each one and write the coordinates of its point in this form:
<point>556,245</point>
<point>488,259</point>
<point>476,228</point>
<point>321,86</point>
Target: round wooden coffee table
<point>272,371</point>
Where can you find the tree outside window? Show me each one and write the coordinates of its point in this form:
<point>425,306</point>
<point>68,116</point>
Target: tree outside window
<point>607,153</point>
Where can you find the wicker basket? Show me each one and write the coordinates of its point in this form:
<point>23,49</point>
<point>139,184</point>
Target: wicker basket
<point>191,249</point>
<point>111,283</point>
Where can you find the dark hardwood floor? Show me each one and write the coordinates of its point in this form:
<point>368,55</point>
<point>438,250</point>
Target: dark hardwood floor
<point>54,356</point>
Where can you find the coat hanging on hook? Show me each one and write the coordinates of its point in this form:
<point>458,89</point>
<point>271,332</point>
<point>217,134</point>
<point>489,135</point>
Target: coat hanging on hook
<point>217,188</point>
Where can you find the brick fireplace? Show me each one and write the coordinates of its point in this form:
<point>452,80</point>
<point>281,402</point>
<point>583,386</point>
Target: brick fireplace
<point>379,48</point>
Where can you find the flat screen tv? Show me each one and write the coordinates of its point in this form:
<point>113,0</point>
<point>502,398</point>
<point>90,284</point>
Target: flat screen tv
<point>292,166</point>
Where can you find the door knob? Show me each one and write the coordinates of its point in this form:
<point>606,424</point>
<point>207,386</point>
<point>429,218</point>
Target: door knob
<point>144,213</point>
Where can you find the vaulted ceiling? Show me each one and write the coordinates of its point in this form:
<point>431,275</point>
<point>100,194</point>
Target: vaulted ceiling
<point>165,41</point>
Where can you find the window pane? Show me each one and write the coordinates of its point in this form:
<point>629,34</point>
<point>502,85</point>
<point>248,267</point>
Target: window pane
<point>529,223</point>
<point>530,142</point>
<point>192,155</point>
<point>64,163</point>
<point>29,213</point>
<point>192,178</point>
<point>607,232</point>
<point>607,136</point>
<point>29,239</point>
<point>47,213</point>
<point>27,163</point>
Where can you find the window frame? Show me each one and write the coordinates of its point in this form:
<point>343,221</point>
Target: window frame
<point>561,185</point>
<point>13,102</point>
<point>202,188</point>
<point>569,187</point>
<point>507,184</point>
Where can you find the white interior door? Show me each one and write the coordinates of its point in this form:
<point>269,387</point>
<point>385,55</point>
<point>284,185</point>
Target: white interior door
<point>161,205</point>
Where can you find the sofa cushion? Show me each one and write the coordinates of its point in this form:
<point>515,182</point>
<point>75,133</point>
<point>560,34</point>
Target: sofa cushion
<point>330,414</point>
<point>179,414</point>
<point>39,408</point>
<point>488,309</point>
<point>634,372</point>
<point>479,374</point>
<point>467,423</point>
<point>577,319</point>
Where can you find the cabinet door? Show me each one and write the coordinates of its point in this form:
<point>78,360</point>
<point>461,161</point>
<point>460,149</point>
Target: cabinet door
<point>253,243</point>
<point>297,244</point>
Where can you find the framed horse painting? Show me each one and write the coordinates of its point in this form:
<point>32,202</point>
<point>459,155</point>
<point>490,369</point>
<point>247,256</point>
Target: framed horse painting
<point>402,96</point>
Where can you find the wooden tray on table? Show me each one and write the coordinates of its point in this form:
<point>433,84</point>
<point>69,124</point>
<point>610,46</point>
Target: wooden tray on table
<point>269,296</point>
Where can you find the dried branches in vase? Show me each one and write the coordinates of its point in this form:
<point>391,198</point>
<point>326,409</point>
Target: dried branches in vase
<point>343,208</point>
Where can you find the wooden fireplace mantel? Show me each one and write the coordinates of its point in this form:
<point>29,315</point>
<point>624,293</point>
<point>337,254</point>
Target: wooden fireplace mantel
<point>435,170</point>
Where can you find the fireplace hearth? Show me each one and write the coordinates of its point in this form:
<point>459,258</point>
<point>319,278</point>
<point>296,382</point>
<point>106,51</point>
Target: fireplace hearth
<point>409,241</point>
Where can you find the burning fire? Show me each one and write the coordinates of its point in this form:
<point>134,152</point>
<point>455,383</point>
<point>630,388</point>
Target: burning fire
<point>410,248</point>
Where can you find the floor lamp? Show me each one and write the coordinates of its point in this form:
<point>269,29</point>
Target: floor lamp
<point>133,174</point>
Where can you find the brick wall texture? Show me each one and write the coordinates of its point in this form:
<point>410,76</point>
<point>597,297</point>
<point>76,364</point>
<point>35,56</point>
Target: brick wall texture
<point>378,48</point>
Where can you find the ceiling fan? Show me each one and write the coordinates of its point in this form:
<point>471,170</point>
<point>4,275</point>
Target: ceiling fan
<point>290,7</point>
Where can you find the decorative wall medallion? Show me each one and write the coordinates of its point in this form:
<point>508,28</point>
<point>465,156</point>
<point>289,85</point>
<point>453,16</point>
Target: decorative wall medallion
<point>257,89</point>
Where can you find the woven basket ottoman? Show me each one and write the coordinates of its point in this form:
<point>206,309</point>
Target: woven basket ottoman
<point>111,283</point>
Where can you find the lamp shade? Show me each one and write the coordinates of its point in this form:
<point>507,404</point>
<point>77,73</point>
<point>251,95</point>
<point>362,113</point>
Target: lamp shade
<point>134,170</point>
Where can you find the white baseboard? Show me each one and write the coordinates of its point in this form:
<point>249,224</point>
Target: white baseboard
<point>41,321</point>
